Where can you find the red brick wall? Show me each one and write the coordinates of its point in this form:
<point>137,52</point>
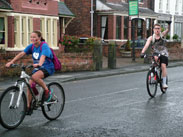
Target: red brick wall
<point>111,27</point>
<point>10,31</point>
<point>98,26</point>
<point>81,24</point>
<point>23,6</point>
<point>70,62</point>
<point>76,62</point>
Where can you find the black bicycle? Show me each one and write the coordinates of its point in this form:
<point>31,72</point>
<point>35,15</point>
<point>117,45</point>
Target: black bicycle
<point>13,101</point>
<point>154,77</point>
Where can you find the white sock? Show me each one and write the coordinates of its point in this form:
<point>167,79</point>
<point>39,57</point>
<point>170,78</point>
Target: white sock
<point>164,80</point>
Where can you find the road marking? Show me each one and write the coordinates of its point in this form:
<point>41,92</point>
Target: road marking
<point>113,93</point>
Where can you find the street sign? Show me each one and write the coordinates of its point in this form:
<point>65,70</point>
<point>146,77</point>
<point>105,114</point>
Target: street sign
<point>133,7</point>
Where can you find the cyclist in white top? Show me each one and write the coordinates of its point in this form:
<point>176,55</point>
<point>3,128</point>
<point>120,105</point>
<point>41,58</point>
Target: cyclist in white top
<point>159,48</point>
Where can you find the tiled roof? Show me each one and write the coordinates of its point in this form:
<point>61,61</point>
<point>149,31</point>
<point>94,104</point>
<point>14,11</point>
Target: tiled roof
<point>4,5</point>
<point>122,7</point>
<point>64,10</point>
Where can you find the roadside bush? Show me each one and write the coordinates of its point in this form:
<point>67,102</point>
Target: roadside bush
<point>128,46</point>
<point>175,37</point>
<point>168,37</point>
<point>72,44</point>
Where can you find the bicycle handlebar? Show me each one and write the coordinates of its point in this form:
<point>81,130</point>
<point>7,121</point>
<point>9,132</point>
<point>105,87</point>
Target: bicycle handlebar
<point>21,65</point>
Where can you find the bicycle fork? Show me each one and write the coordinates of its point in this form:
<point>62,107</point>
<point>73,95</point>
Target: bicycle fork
<point>20,86</point>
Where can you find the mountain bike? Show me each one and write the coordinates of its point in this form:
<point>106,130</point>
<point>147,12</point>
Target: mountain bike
<point>154,77</point>
<point>13,101</point>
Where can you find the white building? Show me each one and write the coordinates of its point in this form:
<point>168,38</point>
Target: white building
<point>170,10</point>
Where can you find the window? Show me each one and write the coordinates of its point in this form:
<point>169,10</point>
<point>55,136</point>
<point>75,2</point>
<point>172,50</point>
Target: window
<point>148,27</point>
<point>140,29</point>
<point>168,6</point>
<point>48,27</point>
<point>15,31</point>
<point>182,7</point>
<point>48,31</point>
<point>177,29</point>
<point>23,32</point>
<point>176,6</point>
<point>2,30</point>
<point>160,6</point>
<point>118,27</point>
<point>126,21</point>
<point>104,27</point>
<point>30,28</point>
<point>54,32</point>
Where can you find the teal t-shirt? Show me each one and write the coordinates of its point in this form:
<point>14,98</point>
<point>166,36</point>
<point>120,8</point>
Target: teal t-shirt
<point>36,55</point>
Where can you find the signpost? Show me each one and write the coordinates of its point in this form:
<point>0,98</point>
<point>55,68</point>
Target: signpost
<point>133,7</point>
<point>133,10</point>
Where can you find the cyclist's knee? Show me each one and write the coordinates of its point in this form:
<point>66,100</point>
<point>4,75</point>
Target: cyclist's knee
<point>35,78</point>
<point>163,65</point>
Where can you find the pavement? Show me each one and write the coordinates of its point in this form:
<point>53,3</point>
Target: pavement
<point>124,66</point>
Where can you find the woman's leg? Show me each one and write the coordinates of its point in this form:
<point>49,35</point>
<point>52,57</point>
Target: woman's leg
<point>29,96</point>
<point>38,78</point>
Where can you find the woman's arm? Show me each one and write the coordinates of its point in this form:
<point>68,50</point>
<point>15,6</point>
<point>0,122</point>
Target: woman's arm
<point>17,57</point>
<point>41,61</point>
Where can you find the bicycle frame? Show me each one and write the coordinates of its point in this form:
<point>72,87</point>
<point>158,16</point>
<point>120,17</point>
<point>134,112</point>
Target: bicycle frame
<point>20,83</point>
<point>156,67</point>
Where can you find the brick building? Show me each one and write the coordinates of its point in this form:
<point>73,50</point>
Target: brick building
<point>18,18</point>
<point>109,19</point>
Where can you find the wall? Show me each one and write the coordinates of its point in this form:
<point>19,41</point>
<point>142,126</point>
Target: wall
<point>174,49</point>
<point>44,7</point>
<point>81,24</point>
<point>70,62</point>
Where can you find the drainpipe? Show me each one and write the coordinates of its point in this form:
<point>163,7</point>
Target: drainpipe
<point>91,12</point>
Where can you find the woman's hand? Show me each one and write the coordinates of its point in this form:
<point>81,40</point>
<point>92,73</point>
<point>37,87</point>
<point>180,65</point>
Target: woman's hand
<point>36,65</point>
<point>9,64</point>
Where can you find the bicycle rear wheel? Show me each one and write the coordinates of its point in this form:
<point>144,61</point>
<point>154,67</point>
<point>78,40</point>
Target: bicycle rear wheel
<point>151,83</point>
<point>11,116</point>
<point>53,109</point>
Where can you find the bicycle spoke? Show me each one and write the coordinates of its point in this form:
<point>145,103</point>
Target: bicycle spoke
<point>54,108</point>
<point>12,115</point>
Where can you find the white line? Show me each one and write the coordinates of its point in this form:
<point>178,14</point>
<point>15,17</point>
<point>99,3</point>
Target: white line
<point>81,99</point>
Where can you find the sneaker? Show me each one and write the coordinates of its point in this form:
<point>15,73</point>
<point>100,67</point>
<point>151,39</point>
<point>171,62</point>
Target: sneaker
<point>165,86</point>
<point>48,96</point>
<point>29,111</point>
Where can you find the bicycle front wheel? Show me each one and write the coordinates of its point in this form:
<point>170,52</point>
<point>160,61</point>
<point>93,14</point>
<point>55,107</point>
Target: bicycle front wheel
<point>12,114</point>
<point>53,109</point>
<point>151,83</point>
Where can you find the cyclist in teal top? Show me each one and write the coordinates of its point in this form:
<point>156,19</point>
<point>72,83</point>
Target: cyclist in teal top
<point>42,63</point>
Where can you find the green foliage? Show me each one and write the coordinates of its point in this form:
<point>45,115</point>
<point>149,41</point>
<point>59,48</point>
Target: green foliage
<point>175,37</point>
<point>128,45</point>
<point>162,29</point>
<point>2,50</point>
<point>72,44</point>
<point>168,36</point>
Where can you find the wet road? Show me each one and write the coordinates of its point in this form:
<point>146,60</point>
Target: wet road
<point>116,106</point>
